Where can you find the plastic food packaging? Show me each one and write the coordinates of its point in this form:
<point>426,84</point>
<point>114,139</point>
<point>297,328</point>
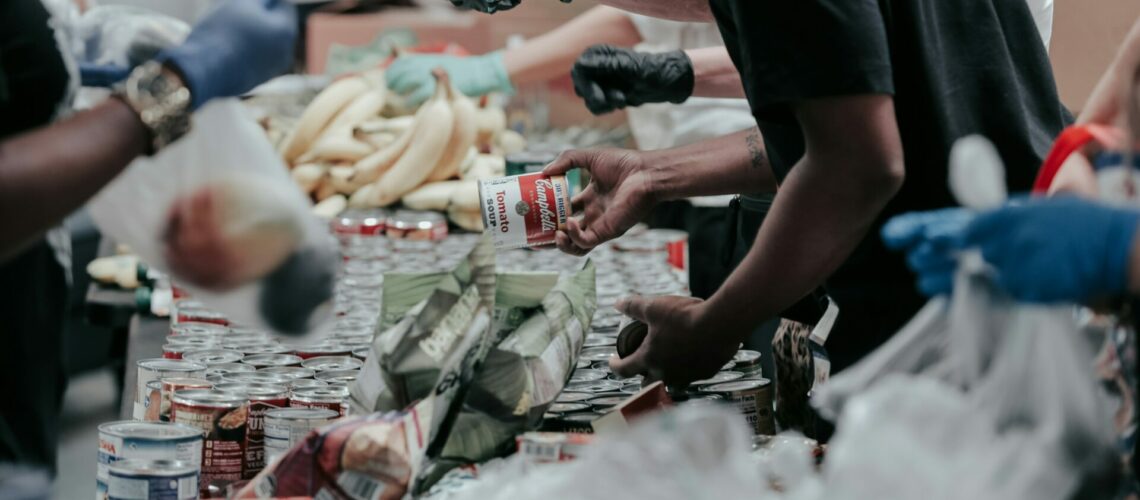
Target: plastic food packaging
<point>281,261</point>
<point>538,329</point>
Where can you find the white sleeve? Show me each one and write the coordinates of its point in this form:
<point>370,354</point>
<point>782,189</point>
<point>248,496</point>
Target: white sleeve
<point>1042,11</point>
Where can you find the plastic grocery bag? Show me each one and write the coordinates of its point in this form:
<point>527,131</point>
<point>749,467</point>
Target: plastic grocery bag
<point>978,397</point>
<point>282,256</point>
<point>696,451</point>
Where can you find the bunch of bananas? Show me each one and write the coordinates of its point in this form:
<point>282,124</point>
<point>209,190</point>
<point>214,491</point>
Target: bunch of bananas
<point>353,146</point>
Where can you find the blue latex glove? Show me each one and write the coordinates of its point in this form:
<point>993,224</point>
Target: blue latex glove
<point>1057,249</point>
<point>100,75</point>
<point>410,75</point>
<point>238,45</point>
<point>931,241</point>
<point>1042,250</point>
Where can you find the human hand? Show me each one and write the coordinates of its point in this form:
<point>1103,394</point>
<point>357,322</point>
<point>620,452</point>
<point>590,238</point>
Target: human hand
<point>683,344</point>
<point>410,75</point>
<point>238,45</point>
<point>611,78</point>
<point>620,194</point>
<point>931,241</point>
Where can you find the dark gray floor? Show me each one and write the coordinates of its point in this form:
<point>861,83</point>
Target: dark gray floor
<point>90,400</point>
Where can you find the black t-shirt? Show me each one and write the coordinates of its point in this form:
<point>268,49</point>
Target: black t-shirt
<point>33,77</point>
<point>954,67</point>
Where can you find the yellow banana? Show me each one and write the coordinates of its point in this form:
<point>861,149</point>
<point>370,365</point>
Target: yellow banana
<point>465,196</point>
<point>431,196</point>
<point>462,136</point>
<point>331,206</point>
<point>364,107</point>
<point>489,120</point>
<point>434,122</point>
<point>308,176</point>
<point>371,167</point>
<point>340,178</point>
<point>485,167</point>
<point>510,142</point>
<point>319,113</point>
<point>466,219</point>
<point>339,146</point>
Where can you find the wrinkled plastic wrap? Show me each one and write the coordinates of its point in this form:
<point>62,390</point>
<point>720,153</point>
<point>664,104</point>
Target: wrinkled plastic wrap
<point>978,397</point>
<point>288,256</point>
<point>539,325</point>
<point>125,36</point>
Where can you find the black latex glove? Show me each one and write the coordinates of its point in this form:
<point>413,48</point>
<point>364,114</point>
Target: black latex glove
<point>489,6</point>
<point>611,78</point>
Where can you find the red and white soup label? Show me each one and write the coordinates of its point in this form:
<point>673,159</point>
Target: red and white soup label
<point>524,210</point>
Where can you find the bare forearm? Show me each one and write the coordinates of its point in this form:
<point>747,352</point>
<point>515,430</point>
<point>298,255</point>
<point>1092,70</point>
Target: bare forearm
<point>50,172</point>
<point>731,164</point>
<point>553,54</point>
<point>1104,104</point>
<point>714,74</point>
<point>676,10</point>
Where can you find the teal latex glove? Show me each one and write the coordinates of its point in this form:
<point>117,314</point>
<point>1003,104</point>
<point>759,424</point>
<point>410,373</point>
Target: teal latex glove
<point>410,75</point>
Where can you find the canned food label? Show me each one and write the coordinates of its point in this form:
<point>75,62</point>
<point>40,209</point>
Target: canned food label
<point>153,488</point>
<point>525,210</point>
<point>255,436</point>
<point>115,448</point>
<point>223,449</point>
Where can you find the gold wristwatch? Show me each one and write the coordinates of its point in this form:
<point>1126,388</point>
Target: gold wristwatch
<point>161,100</point>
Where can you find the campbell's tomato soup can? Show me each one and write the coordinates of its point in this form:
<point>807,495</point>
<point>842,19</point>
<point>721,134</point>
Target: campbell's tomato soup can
<point>222,369</point>
<point>753,398</point>
<point>130,439</point>
<point>328,397</point>
<point>262,398</point>
<point>222,416</point>
<point>360,223</point>
<point>306,382</point>
<point>175,351</point>
<point>157,368</point>
<point>338,377</point>
<point>524,210</point>
<point>257,377</point>
<point>265,348</point>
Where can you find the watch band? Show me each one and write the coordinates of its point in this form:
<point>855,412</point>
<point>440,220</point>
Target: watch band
<point>162,103</point>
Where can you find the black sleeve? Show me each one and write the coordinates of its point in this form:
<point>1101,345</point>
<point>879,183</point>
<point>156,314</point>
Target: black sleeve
<point>792,50</point>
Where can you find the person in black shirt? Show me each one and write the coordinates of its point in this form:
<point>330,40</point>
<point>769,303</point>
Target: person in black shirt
<point>858,103</point>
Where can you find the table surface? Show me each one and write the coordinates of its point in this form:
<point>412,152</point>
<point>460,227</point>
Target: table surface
<point>147,335</point>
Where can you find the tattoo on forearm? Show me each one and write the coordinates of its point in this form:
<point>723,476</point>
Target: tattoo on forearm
<point>756,149</point>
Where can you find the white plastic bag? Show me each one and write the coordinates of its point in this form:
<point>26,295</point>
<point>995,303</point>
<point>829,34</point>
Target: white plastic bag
<point>265,217</point>
<point>976,398</point>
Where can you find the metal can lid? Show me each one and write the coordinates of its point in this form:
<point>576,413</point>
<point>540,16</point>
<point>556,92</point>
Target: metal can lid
<point>292,372</point>
<point>362,352</point>
<point>211,397</point>
<point>306,382</point>
<point>561,408</point>
<point>596,340</point>
<point>630,336</point>
<point>323,348</point>
<point>272,360</point>
<point>198,328</point>
<point>580,417</point>
<point>335,393</point>
<point>140,467</point>
<point>193,341</point>
<point>301,414</point>
<point>582,363</point>
<point>182,348</point>
<point>593,386</point>
<point>213,356</point>
<point>265,348</point>
<point>255,391</point>
<point>186,382</point>
<point>598,353</point>
<point>170,365</point>
<point>718,378</point>
<point>738,386</point>
<point>160,431</point>
<point>746,357</point>
<point>603,401</point>
<point>330,363</point>
<point>728,366</point>
<point>331,376</point>
<point>573,397</point>
<point>256,378</point>
<point>587,374</point>
<point>227,368</point>
<point>632,388</point>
